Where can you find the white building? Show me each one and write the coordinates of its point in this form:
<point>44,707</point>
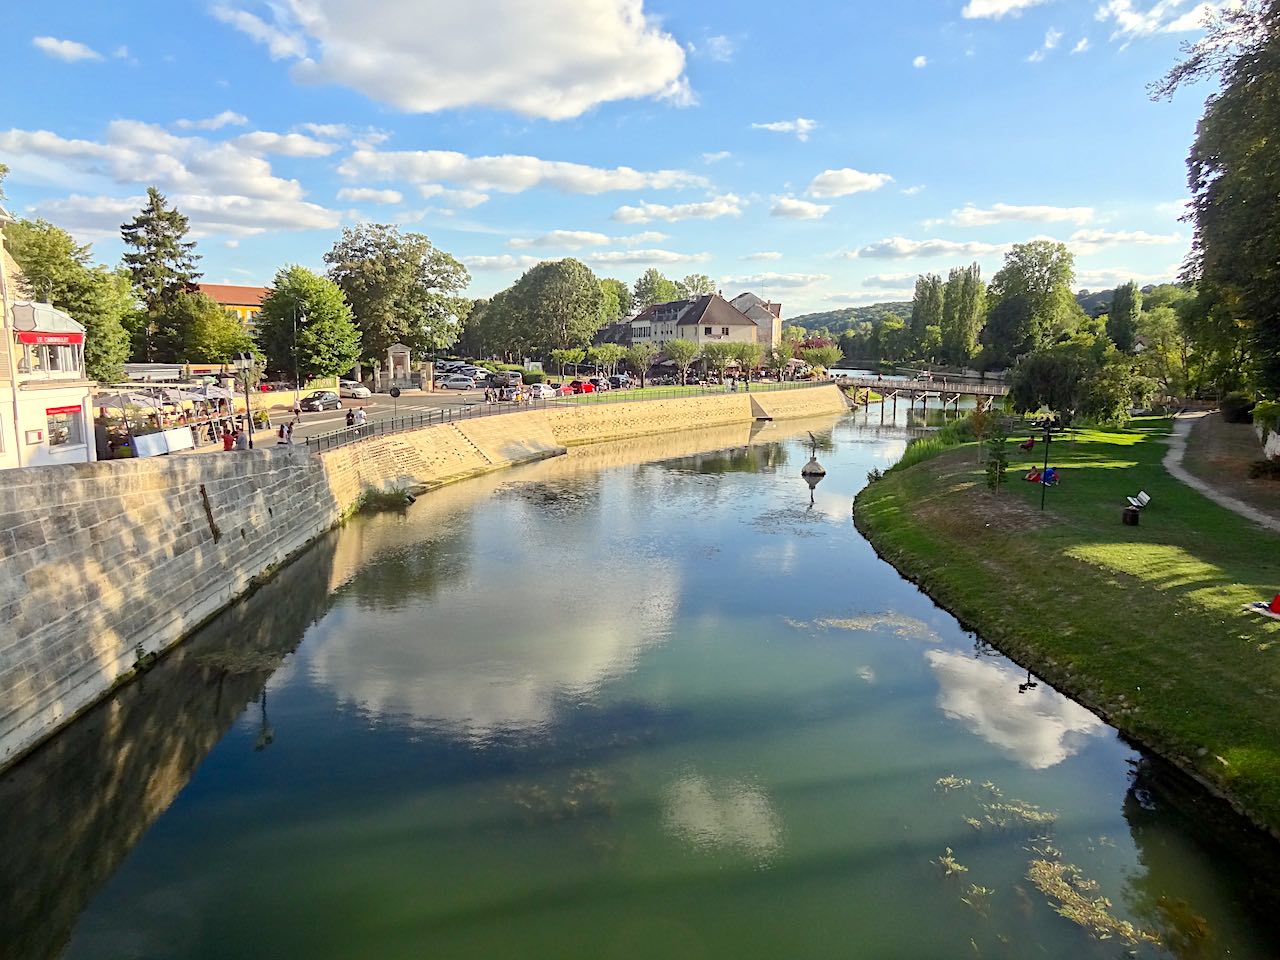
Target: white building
<point>709,319</point>
<point>45,413</point>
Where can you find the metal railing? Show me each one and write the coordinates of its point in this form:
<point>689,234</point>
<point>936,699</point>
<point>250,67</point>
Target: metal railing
<point>471,410</point>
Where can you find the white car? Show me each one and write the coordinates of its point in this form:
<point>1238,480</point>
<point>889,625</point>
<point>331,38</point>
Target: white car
<point>456,383</point>
<point>542,391</point>
<point>354,390</point>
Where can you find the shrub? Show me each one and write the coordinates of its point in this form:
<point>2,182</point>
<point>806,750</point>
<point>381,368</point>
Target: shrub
<point>997,456</point>
<point>1265,470</point>
<point>923,448</point>
<point>1266,414</point>
<point>533,376</point>
<point>1237,407</point>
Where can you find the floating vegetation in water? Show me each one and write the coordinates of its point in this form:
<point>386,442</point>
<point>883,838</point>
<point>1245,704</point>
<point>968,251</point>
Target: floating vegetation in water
<point>238,662</point>
<point>906,627</point>
<point>1017,813</point>
<point>952,782</point>
<point>950,865</point>
<point>585,796</point>
<point>979,897</point>
<point>973,822</point>
<point>1070,894</point>
<point>991,788</point>
<point>1042,847</point>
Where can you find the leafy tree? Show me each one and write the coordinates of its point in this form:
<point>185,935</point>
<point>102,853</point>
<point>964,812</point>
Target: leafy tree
<point>963,312</point>
<point>1122,320</point>
<point>1052,378</point>
<point>1032,302</point>
<point>610,308</point>
<point>305,319</point>
<point>997,456</point>
<point>1112,389</point>
<point>653,287</point>
<point>640,357</point>
<point>607,356</point>
<point>718,355</point>
<point>55,269</point>
<point>778,360</point>
<point>494,328</point>
<point>193,324</point>
<point>160,260</point>
<point>558,304</point>
<point>401,289</point>
<point>748,354</point>
<point>616,290</point>
<point>695,285</point>
<point>682,353</point>
<point>926,306</point>
<point>821,358</point>
<point>568,357</point>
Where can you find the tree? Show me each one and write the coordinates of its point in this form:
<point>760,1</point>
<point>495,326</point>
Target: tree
<point>160,261</point>
<point>401,289</point>
<point>778,360</point>
<point>682,353</point>
<point>615,290</point>
<point>963,311</point>
<point>56,270</point>
<point>653,287</point>
<point>718,355</point>
<point>194,328</point>
<point>748,354</point>
<point>926,306</point>
<point>1031,299</point>
<point>306,321</point>
<point>640,357</point>
<point>1053,378</point>
<point>694,285</point>
<point>1122,320</point>
<point>567,358</point>
<point>606,356</point>
<point>997,456</point>
<point>1234,176</point>
<point>820,358</point>
<point>558,304</point>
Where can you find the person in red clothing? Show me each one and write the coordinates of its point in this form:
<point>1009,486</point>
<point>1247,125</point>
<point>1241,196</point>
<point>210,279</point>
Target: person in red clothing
<point>228,439</point>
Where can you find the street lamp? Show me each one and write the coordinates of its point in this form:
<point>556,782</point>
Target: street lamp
<point>244,363</point>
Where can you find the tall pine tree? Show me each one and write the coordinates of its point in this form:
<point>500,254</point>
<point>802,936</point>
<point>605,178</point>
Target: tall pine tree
<point>926,307</point>
<point>962,313</point>
<point>161,261</point>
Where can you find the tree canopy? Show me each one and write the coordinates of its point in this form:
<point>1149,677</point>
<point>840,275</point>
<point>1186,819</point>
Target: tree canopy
<point>160,260</point>
<point>652,287</point>
<point>305,320</point>
<point>557,304</point>
<point>1031,301</point>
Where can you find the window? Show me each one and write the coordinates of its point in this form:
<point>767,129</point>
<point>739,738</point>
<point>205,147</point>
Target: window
<point>724,331</point>
<point>706,331</point>
<point>64,426</point>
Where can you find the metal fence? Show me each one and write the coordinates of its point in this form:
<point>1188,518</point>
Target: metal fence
<point>469,410</point>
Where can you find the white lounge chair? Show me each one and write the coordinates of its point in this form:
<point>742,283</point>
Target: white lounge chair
<point>1140,501</point>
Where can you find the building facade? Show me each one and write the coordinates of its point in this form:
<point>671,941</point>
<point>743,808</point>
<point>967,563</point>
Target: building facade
<point>45,397</point>
<point>709,319</point>
<point>244,302</point>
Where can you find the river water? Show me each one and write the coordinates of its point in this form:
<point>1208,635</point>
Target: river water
<point>647,700</point>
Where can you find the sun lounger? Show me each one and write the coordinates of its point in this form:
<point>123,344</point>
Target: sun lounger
<point>1140,501</point>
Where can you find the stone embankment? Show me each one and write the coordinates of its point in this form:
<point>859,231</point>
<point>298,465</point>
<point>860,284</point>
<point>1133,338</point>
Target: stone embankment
<point>104,565</point>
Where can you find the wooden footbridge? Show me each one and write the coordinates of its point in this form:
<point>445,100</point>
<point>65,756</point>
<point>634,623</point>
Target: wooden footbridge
<point>947,392</point>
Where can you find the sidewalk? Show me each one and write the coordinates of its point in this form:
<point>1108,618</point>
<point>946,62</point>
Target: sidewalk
<point>1182,424</point>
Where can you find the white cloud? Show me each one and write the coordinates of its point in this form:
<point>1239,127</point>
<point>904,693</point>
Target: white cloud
<point>1113,277</point>
<point>70,51</point>
<point>458,198</point>
<point>889,280</point>
<point>719,48</point>
<point>369,195</point>
<point>121,52</point>
<point>284,144</point>
<point>227,118</point>
<point>716,157</point>
<point>900,248</point>
<point>1088,241</point>
<point>1164,16</point>
<point>790,208</point>
<point>846,180</point>
<point>764,255</point>
<point>1051,40</point>
<point>1174,208</point>
<point>995,9</point>
<point>1081,46</point>
<point>727,205</point>
<point>614,258</point>
<point>863,298</point>
<point>552,59</point>
<point>95,217</point>
<point>503,261</point>
<point>644,236</point>
<point>971,216</point>
<point>920,62</point>
<point>785,281</point>
<point>912,191</point>
<point>800,126</point>
<point>565,239</point>
<point>508,173</point>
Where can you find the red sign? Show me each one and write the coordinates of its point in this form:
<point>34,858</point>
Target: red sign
<point>57,338</point>
<point>54,411</point>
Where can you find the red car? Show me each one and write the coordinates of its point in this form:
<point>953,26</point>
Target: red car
<point>582,386</point>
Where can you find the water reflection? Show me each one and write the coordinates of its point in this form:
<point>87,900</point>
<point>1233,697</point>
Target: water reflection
<point>1040,727</point>
<point>728,815</point>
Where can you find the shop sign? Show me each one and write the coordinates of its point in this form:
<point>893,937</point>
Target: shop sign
<point>55,411</point>
<point>35,336</point>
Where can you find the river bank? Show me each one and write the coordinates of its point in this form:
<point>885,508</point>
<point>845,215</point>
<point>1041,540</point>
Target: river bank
<point>1143,625</point>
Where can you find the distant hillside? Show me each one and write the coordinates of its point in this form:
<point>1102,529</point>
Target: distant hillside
<point>838,321</point>
<point>1095,302</point>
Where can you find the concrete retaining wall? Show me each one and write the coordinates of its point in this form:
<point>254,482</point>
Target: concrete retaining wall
<point>103,562</point>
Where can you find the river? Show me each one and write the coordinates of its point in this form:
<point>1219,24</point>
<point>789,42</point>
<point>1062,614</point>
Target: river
<point>651,699</point>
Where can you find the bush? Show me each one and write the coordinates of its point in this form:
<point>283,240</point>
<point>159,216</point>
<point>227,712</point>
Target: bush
<point>533,376</point>
<point>1265,470</point>
<point>922,448</point>
<point>1237,407</point>
<point>1266,414</point>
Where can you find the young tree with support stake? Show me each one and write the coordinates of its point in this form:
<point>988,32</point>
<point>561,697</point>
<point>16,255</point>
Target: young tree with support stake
<point>682,353</point>
<point>640,358</point>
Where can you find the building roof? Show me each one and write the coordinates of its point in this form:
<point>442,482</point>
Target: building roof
<point>619,333</point>
<point>715,311</point>
<point>230,295</point>
<point>756,308</point>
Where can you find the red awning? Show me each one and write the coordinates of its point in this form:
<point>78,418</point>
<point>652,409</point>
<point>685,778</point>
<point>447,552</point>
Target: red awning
<point>35,336</point>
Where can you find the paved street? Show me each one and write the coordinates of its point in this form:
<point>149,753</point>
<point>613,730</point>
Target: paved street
<point>378,407</point>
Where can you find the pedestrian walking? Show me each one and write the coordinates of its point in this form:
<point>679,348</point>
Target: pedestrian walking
<point>351,418</point>
<point>361,417</point>
<point>297,409</point>
<point>242,439</point>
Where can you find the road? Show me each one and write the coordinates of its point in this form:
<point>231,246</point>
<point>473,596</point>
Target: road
<point>378,407</point>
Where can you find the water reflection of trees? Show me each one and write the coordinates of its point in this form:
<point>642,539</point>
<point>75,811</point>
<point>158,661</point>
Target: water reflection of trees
<point>756,458</point>
<point>1180,832</point>
<point>71,811</point>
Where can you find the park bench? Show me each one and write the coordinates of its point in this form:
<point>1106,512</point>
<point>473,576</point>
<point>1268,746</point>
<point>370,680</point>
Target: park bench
<point>1140,501</point>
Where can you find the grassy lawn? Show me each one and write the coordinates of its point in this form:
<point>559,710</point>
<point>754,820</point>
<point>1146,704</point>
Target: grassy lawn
<point>1143,624</point>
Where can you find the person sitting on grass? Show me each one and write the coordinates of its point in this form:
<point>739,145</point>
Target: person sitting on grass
<point>1050,477</point>
<point>1033,476</point>
<point>1028,444</point>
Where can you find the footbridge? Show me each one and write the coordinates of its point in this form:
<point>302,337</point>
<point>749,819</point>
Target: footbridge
<point>947,392</point>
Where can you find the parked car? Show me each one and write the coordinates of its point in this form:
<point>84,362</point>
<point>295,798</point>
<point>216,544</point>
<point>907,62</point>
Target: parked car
<point>543,391</point>
<point>321,400</point>
<point>456,382</point>
<point>353,389</point>
<point>582,386</point>
<point>601,384</point>
<point>620,381</point>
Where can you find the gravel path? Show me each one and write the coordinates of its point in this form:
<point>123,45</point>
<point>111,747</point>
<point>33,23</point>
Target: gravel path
<point>1173,463</point>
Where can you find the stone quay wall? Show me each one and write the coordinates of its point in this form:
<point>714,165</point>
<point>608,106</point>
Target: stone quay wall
<point>104,565</point>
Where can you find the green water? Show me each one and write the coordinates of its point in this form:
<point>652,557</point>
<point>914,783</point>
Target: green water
<point>602,708</point>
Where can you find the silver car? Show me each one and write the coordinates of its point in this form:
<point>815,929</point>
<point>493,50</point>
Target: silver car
<point>456,383</point>
<point>353,389</point>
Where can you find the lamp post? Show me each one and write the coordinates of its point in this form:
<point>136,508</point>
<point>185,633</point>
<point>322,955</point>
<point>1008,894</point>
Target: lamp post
<point>244,363</point>
<point>1048,426</point>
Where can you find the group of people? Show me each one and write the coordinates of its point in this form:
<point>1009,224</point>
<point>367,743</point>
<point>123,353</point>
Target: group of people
<point>514,394</point>
<point>357,418</point>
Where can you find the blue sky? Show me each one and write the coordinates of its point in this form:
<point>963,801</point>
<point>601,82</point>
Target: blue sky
<point>823,153</point>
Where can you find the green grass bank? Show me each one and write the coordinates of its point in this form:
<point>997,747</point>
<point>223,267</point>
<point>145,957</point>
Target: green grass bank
<point>1144,625</point>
